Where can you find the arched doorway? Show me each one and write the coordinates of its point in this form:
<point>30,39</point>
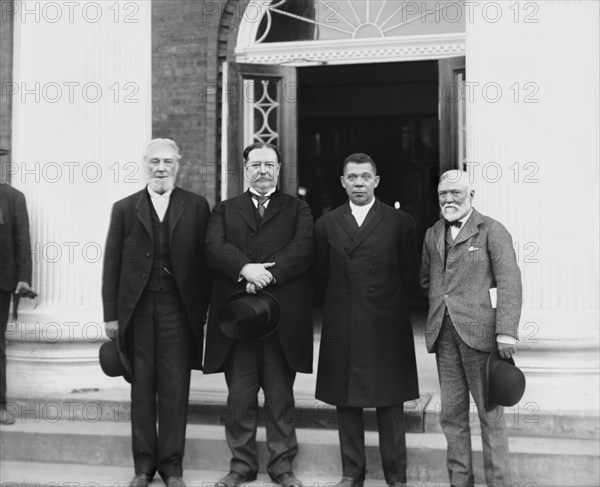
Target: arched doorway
<point>324,79</point>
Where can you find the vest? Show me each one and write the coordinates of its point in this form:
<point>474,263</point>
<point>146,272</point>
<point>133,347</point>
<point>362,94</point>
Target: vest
<point>160,279</point>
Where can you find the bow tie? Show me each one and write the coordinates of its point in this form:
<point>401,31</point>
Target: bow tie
<point>455,223</point>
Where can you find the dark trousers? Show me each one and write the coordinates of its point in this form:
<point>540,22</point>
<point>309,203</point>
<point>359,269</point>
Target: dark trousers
<point>249,367</point>
<point>461,370</point>
<point>4,307</point>
<point>159,344</point>
<point>392,442</point>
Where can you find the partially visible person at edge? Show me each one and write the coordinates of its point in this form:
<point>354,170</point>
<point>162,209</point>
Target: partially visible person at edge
<point>15,270</point>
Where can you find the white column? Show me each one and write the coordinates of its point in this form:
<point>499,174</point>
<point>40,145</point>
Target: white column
<point>82,116</point>
<point>533,142</point>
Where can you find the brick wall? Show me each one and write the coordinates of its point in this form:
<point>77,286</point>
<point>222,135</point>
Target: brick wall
<point>185,74</point>
<point>6,62</point>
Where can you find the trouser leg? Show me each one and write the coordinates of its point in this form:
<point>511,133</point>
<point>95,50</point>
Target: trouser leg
<point>241,375</point>
<point>351,429</point>
<point>140,343</point>
<point>454,415</point>
<point>392,442</point>
<point>494,434</point>
<point>173,361</point>
<point>4,308</point>
<point>277,381</point>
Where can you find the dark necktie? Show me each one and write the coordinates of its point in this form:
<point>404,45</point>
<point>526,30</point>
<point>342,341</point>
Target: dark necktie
<point>261,203</point>
<point>455,223</point>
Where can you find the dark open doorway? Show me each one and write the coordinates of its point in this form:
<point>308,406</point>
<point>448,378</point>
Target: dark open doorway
<point>389,111</point>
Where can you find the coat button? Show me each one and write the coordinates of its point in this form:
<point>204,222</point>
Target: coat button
<point>252,234</point>
<point>144,276</point>
<point>148,254</point>
<point>372,271</point>
<point>370,289</point>
<point>250,252</point>
<point>445,296</point>
<point>349,258</point>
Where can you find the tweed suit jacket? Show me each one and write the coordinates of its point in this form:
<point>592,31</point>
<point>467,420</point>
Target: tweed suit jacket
<point>481,258</point>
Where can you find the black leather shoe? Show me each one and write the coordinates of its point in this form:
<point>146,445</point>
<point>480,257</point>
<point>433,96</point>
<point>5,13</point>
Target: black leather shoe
<point>288,479</point>
<point>174,482</point>
<point>140,480</point>
<point>349,482</point>
<point>233,479</point>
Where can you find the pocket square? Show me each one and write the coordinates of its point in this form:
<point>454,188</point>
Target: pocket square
<point>472,249</point>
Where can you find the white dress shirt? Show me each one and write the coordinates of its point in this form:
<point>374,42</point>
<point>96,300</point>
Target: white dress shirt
<point>160,202</point>
<point>268,194</point>
<point>360,212</point>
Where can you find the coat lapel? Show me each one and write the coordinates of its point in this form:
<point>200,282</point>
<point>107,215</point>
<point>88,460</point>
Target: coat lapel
<point>142,210</point>
<point>347,221</point>
<point>273,208</point>
<point>371,221</point>
<point>439,237</point>
<point>175,210</point>
<point>471,227</point>
<point>246,210</point>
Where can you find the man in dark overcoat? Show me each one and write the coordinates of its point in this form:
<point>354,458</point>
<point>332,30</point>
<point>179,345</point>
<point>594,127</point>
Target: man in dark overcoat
<point>155,292</point>
<point>261,239</point>
<point>469,270</point>
<point>15,269</point>
<point>367,261</point>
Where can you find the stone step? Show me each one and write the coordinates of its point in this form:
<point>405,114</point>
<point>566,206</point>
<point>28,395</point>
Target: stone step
<point>209,407</point>
<point>538,461</point>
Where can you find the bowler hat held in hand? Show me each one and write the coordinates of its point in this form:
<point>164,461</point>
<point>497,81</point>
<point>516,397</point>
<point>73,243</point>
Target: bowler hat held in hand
<point>110,362</point>
<point>505,382</point>
<point>250,317</point>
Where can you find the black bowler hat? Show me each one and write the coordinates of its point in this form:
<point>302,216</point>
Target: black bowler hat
<point>111,362</point>
<point>3,152</point>
<point>505,382</point>
<point>250,317</point>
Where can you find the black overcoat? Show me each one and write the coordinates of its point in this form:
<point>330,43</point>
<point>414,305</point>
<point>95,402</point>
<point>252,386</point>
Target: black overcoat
<point>128,261</point>
<point>367,354</point>
<point>284,236</point>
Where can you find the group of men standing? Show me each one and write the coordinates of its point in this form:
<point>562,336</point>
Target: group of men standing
<point>169,260</point>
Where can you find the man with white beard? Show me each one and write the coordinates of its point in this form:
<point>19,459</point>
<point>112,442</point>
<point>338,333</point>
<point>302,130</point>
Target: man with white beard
<point>155,291</point>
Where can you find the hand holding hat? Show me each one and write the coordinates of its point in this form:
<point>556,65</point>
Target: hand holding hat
<point>505,382</point>
<point>250,317</point>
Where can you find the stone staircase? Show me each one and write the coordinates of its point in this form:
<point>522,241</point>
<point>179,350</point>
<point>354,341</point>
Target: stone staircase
<point>85,440</point>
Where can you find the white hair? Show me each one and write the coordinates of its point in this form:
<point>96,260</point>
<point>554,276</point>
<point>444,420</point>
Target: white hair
<point>455,176</point>
<point>168,142</point>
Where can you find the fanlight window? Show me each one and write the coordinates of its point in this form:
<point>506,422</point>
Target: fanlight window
<point>326,20</point>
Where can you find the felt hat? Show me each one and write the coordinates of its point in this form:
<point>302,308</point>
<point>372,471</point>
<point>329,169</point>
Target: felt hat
<point>505,382</point>
<point>250,317</point>
<point>110,361</point>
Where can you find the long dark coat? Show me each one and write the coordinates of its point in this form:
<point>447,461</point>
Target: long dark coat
<point>367,354</point>
<point>128,262</point>
<point>284,236</point>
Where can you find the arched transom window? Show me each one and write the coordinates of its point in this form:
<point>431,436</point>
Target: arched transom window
<point>343,31</point>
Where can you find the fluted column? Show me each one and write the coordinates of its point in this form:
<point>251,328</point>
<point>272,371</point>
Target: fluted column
<point>82,116</point>
<point>532,143</point>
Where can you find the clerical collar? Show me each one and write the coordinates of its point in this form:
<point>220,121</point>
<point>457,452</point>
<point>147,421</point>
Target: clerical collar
<point>267,194</point>
<point>154,194</point>
<point>361,209</point>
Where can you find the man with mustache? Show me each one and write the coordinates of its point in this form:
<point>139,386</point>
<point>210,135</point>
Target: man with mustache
<point>367,262</point>
<point>470,272</point>
<point>261,239</point>
<point>155,291</point>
